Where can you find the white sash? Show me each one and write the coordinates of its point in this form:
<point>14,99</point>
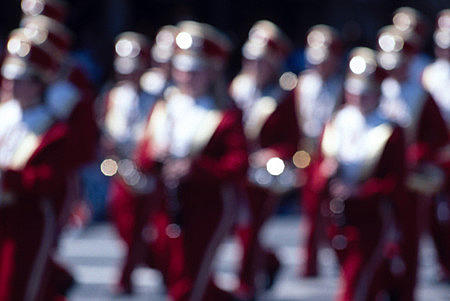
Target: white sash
<point>121,103</point>
<point>19,140</point>
<point>378,137</point>
<point>158,124</point>
<point>315,102</point>
<point>25,150</point>
<point>258,116</point>
<point>403,103</point>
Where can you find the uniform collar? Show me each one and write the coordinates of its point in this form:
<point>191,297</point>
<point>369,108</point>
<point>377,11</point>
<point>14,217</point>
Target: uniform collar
<point>37,118</point>
<point>375,118</point>
<point>205,102</point>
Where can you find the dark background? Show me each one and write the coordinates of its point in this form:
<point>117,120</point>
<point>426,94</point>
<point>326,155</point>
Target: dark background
<point>97,22</point>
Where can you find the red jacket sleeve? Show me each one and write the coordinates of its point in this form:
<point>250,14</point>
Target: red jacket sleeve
<point>391,169</point>
<point>46,171</point>
<point>280,132</point>
<point>84,134</point>
<point>227,160</point>
<point>144,161</point>
<point>78,77</point>
<point>431,134</point>
<point>388,176</point>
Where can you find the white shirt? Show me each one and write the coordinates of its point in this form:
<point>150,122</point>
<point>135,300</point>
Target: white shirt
<point>127,114</point>
<point>185,117</point>
<point>355,145</point>
<point>317,101</point>
<point>18,125</point>
<point>437,82</point>
<point>402,102</point>
<point>246,94</point>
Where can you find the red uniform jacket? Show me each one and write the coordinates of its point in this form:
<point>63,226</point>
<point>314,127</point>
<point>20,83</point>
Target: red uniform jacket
<point>271,120</point>
<point>223,158</point>
<point>431,134</point>
<point>383,182</point>
<point>333,86</point>
<point>64,147</point>
<point>280,132</point>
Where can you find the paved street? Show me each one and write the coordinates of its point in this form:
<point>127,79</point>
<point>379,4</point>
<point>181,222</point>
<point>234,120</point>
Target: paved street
<point>94,256</point>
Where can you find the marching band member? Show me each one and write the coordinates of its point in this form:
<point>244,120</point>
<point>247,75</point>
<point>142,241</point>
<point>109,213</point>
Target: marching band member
<point>40,152</point>
<point>436,80</point>
<point>406,102</point>
<point>194,148</point>
<point>71,95</point>
<point>267,100</point>
<point>413,24</point>
<point>318,93</point>
<point>164,47</point>
<point>126,107</point>
<point>57,38</point>
<point>357,174</point>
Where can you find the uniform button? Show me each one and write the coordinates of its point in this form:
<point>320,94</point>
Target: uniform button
<point>337,206</point>
<point>173,231</point>
<point>339,242</point>
<point>149,234</point>
<point>443,212</point>
<point>397,266</point>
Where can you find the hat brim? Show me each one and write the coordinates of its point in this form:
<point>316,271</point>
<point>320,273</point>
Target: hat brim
<point>188,63</point>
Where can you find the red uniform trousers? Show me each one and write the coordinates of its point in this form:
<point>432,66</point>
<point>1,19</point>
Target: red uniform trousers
<point>315,232</point>
<point>440,223</point>
<point>46,225</point>
<point>440,230</point>
<point>27,236</point>
<point>207,218</point>
<point>84,136</point>
<point>359,244</point>
<point>60,278</point>
<point>256,259</point>
<point>402,263</point>
<point>143,224</point>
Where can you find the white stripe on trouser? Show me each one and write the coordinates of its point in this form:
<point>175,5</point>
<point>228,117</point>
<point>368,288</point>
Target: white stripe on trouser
<point>37,271</point>
<point>73,194</point>
<point>223,228</point>
<point>259,262</point>
<point>368,272</point>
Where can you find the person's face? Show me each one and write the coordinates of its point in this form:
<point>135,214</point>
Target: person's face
<point>26,91</point>
<point>6,90</point>
<point>130,77</point>
<point>367,101</point>
<point>442,53</point>
<point>261,70</point>
<point>127,69</point>
<point>328,66</point>
<point>165,67</point>
<point>194,83</point>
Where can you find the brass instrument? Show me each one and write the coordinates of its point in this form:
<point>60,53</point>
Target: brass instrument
<point>128,171</point>
<point>277,175</point>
